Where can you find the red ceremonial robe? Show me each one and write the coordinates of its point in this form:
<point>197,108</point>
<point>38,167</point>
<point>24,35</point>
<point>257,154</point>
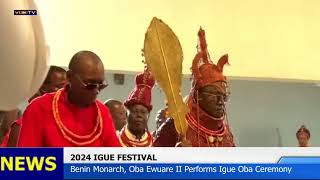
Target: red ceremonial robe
<point>40,127</point>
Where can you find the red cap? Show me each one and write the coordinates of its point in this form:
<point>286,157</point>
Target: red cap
<point>141,93</point>
<point>204,71</point>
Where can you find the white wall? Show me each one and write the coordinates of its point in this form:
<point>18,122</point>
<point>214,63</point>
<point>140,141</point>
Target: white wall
<point>257,109</point>
<point>267,38</point>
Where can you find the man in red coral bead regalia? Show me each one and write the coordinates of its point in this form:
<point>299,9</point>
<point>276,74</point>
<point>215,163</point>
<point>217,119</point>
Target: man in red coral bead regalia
<point>136,133</point>
<point>71,116</point>
<point>207,119</point>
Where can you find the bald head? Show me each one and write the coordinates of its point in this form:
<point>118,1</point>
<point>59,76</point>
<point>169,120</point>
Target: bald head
<point>118,112</point>
<point>83,59</point>
<point>111,102</point>
<point>86,78</point>
<point>51,73</point>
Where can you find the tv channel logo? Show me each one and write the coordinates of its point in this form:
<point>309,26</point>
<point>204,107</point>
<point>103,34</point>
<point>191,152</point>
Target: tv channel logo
<point>25,12</point>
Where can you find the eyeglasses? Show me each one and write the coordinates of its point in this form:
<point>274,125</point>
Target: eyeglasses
<point>91,86</point>
<point>224,97</point>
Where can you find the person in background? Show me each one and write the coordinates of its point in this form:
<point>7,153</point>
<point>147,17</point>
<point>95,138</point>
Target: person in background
<point>72,116</point>
<point>303,136</point>
<point>55,80</point>
<point>118,112</point>
<point>6,119</point>
<point>136,133</point>
<point>162,116</point>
